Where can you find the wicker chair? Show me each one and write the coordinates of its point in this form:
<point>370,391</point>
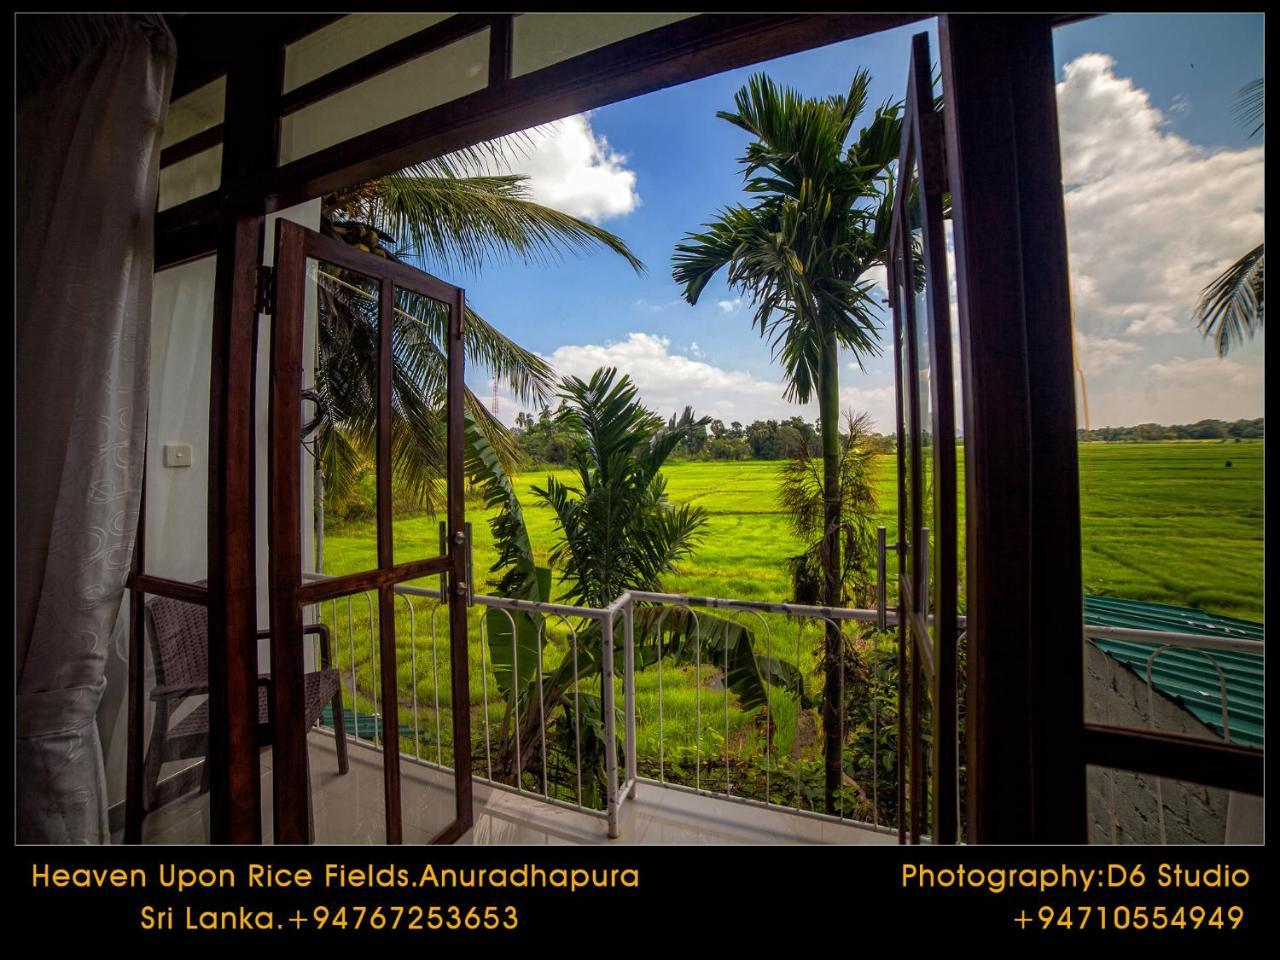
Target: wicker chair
<point>180,650</point>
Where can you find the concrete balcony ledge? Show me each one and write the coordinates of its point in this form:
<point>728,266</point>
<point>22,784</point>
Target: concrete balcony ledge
<point>349,810</point>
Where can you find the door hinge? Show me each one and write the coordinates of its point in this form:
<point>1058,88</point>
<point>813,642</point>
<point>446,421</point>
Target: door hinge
<point>264,290</point>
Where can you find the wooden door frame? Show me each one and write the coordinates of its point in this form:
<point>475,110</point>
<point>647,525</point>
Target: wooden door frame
<point>295,245</point>
<point>1028,742</point>
<point>1024,679</point>
<point>922,655</point>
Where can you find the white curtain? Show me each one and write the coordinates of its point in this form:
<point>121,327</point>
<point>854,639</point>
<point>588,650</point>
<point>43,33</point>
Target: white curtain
<point>88,157</point>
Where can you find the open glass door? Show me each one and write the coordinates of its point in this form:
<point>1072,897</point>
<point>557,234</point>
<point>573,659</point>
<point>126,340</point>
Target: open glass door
<point>927,562</point>
<point>389,309</point>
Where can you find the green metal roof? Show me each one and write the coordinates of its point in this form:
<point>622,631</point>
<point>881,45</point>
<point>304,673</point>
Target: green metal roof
<point>1187,675</point>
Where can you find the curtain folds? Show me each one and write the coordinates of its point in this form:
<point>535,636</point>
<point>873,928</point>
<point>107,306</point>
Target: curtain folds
<point>88,161</point>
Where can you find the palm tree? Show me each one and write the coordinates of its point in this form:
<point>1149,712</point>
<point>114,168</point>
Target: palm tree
<point>801,497</point>
<point>802,252</point>
<point>1230,309</point>
<point>616,531</point>
<point>453,216</point>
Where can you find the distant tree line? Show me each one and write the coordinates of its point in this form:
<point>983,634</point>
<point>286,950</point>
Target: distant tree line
<point>543,441</point>
<point>1201,430</point>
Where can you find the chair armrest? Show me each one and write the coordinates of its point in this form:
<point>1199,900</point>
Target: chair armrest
<point>320,630</point>
<point>179,691</point>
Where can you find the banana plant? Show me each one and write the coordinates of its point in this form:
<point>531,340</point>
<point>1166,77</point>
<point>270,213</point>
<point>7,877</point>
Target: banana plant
<point>618,531</point>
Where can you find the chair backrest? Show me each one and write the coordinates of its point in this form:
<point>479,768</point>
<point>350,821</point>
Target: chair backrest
<point>179,641</point>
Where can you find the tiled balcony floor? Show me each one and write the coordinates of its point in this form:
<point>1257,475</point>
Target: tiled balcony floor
<point>349,809</point>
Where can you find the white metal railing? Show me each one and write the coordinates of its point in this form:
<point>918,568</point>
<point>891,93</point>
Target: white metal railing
<point>768,621</point>
<point>778,629</point>
<point>355,615</point>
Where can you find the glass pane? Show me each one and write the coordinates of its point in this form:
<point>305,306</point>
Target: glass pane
<point>1163,414</point>
<point>428,81</point>
<point>348,39</point>
<point>197,111</point>
<point>345,439</point>
<point>419,339</point>
<point>190,178</point>
<point>541,39</point>
<point>923,375</point>
<point>904,379</point>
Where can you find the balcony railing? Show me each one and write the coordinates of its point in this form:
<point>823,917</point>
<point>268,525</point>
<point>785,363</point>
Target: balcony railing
<point>680,726</point>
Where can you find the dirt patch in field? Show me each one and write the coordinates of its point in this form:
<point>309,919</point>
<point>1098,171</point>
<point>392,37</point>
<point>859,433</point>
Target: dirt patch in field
<point>806,735</point>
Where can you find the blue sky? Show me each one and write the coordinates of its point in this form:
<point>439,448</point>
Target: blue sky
<point>1144,100</point>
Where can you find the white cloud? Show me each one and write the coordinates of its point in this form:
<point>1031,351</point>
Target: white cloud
<point>668,381</point>
<point>1151,217</point>
<point>876,402</point>
<point>879,291</point>
<point>729,306</point>
<point>1203,372</point>
<point>572,168</point>
<point>1100,354</point>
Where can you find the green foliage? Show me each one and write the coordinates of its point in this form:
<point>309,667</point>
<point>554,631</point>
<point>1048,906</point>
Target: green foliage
<point>449,214</point>
<point>618,530</point>
<point>1230,309</point>
<point>522,578</point>
<point>544,441</point>
<point>1165,522</point>
<point>802,252</point>
<point>1200,430</point>
<point>802,499</point>
<point>818,224</point>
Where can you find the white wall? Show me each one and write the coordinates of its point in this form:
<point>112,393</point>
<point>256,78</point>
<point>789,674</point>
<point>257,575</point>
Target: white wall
<point>177,497</point>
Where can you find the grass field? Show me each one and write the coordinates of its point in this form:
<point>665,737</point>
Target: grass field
<point>1164,522</point>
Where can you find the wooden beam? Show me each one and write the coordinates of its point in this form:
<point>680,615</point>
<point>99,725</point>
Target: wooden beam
<point>144,584</point>
<point>188,231</point>
<point>500,47</point>
<point>208,43</point>
<point>456,508</point>
<point>1025,670</point>
<point>682,51</point>
<point>1178,757</point>
<point>291,777</point>
<point>249,146</point>
<point>196,143</point>
<point>316,591</point>
<point>1057,583</point>
<point>386,560</point>
<point>679,52</point>
<point>234,780</point>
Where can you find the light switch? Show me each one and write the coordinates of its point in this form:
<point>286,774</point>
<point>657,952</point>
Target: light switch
<point>177,454</point>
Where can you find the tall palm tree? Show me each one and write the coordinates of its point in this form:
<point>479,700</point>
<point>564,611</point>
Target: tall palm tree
<point>801,252</point>
<point>1230,309</point>
<point>451,216</point>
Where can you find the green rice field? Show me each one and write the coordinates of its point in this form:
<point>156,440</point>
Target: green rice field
<point>1164,522</point>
